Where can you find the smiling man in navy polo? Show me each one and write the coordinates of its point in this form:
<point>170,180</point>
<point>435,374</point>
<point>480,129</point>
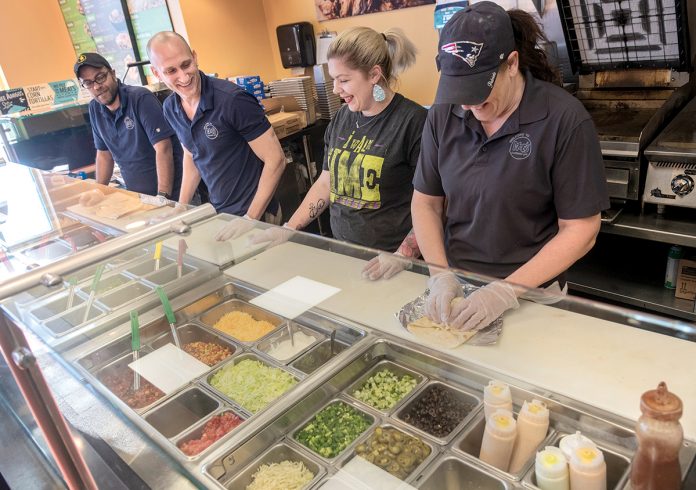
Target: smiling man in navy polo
<point>228,141</point>
<point>129,128</point>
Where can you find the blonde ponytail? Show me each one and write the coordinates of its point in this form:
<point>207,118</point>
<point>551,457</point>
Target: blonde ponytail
<point>361,48</point>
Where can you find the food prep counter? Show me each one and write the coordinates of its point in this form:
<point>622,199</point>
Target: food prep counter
<point>272,354</point>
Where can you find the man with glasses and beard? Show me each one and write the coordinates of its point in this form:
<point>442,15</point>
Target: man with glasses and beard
<point>129,128</point>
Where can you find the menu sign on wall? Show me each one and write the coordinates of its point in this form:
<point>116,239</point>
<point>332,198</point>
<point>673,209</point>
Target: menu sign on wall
<point>101,26</point>
<point>52,93</point>
<point>107,22</point>
<point>13,100</point>
<point>78,28</point>
<point>148,18</point>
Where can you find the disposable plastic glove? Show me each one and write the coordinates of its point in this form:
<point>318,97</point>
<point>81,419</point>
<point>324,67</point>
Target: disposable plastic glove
<point>235,228</point>
<point>444,287</point>
<point>272,236</point>
<point>167,213</point>
<point>385,266</point>
<point>483,306</point>
<point>547,296</point>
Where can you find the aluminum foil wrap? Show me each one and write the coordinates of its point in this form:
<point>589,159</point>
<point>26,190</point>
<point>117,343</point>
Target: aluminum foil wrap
<point>415,309</point>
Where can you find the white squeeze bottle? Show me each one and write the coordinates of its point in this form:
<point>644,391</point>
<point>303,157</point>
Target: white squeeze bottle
<point>571,442</point>
<point>588,471</point>
<point>551,469</point>
<point>496,395</point>
<point>498,439</point>
<point>532,427</point>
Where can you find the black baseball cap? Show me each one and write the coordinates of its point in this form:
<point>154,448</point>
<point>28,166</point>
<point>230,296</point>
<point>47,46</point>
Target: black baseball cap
<point>473,44</point>
<point>94,60</point>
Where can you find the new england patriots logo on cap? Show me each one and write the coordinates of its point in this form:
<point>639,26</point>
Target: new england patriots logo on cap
<point>467,50</point>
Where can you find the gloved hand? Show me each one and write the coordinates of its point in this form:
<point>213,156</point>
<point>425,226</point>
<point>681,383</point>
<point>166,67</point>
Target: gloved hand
<point>385,266</point>
<point>235,228</point>
<point>273,236</point>
<point>444,287</point>
<point>167,213</point>
<point>481,307</point>
<point>547,296</point>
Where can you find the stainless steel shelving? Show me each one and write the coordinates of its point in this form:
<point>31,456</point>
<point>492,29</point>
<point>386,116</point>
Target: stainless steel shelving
<point>677,228</point>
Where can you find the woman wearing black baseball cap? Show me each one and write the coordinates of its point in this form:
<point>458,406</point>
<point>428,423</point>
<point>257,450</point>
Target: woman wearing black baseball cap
<point>516,157</point>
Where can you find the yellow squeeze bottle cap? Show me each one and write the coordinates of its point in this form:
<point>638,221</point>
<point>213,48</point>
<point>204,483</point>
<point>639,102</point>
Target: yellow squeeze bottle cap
<point>551,463</point>
<point>502,423</point>
<point>535,411</point>
<point>569,443</point>
<point>586,457</point>
<point>497,393</point>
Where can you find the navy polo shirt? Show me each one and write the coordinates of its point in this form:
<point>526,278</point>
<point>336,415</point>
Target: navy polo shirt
<point>129,134</point>
<point>506,192</point>
<point>226,119</point>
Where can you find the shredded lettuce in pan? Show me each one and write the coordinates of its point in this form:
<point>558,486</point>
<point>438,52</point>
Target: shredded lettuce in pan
<point>252,384</point>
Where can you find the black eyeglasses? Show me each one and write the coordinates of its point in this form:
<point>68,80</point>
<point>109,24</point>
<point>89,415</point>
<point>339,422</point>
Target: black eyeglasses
<point>101,78</point>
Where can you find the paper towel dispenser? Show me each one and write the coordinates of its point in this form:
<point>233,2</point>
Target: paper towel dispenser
<point>296,44</point>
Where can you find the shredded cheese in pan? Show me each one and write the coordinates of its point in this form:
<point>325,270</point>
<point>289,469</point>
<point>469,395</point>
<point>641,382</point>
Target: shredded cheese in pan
<point>287,475</point>
<point>242,326</point>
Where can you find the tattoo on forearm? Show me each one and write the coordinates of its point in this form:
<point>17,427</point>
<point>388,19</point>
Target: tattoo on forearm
<point>409,247</point>
<point>316,209</point>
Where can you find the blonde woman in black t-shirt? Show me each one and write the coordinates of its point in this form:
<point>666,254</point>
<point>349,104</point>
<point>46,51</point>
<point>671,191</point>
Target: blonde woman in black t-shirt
<point>371,150</point>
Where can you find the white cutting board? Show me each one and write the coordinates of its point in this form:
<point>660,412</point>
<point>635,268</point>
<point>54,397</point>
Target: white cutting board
<point>201,243</point>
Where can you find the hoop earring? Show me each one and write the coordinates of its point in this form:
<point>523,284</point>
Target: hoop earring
<point>378,93</point>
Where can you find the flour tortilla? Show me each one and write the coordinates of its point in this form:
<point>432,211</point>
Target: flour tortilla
<point>117,205</point>
<point>435,333</point>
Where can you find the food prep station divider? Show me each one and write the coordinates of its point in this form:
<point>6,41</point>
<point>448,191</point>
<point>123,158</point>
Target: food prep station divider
<point>127,283</point>
<point>453,461</point>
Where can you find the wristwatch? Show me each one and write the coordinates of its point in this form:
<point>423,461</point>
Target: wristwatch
<point>164,194</point>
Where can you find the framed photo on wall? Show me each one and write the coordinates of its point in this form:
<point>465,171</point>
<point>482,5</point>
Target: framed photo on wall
<point>338,9</point>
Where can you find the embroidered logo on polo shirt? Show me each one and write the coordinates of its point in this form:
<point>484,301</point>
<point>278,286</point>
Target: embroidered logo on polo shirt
<point>211,132</point>
<point>469,51</point>
<point>520,146</point>
<point>130,124</point>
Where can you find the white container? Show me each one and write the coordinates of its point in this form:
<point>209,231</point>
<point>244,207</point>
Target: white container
<point>551,469</point>
<point>588,471</point>
<point>569,443</point>
<point>496,395</point>
<point>498,439</point>
<point>532,427</point>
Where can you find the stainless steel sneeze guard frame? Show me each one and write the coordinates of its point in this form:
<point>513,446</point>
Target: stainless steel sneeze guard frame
<point>126,285</point>
<point>102,251</point>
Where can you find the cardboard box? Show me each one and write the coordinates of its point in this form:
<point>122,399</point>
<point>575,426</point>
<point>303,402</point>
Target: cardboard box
<point>253,86</point>
<point>284,123</point>
<point>287,104</point>
<point>244,79</point>
<point>686,280</point>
